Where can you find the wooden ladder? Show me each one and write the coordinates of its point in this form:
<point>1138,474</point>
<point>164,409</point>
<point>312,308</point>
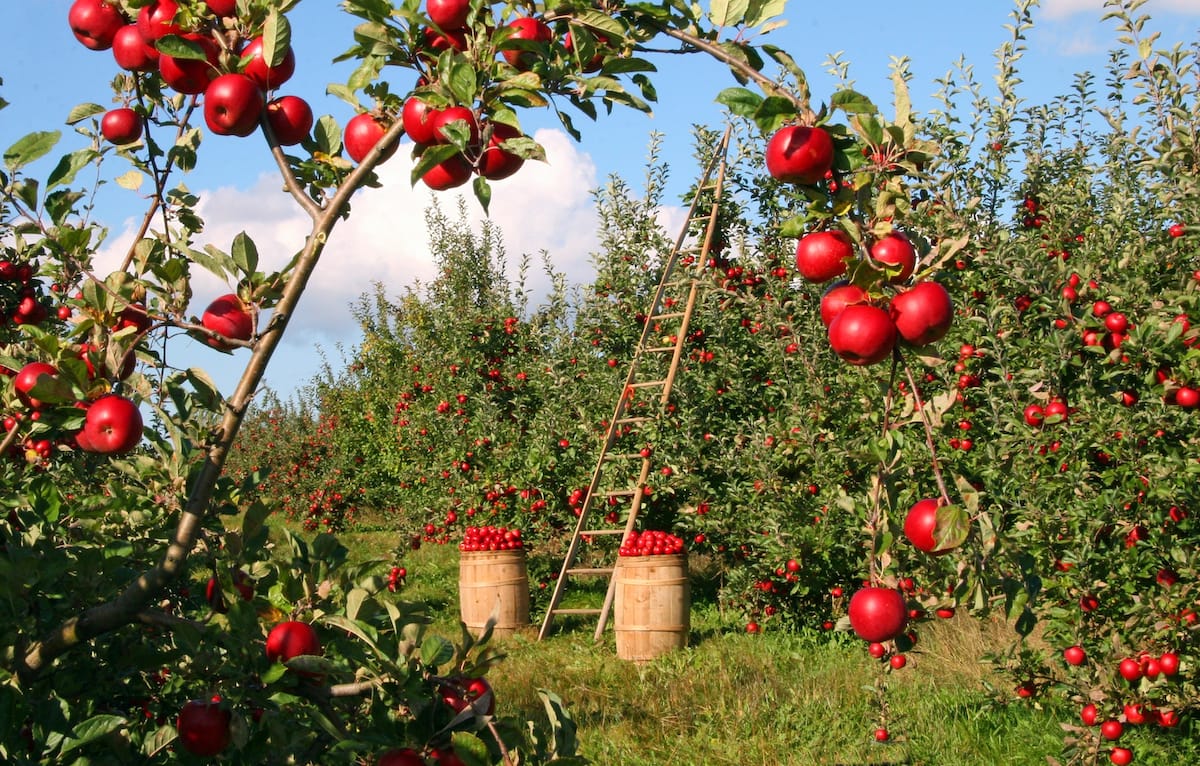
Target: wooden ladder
<point>665,319</point>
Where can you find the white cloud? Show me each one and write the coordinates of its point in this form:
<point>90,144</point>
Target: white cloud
<point>546,206</point>
<point>1061,9</point>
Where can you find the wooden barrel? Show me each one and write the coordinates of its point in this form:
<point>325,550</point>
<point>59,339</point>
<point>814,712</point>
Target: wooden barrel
<point>651,605</point>
<point>493,581</point>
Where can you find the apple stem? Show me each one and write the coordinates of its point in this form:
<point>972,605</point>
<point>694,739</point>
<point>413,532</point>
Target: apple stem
<point>920,407</point>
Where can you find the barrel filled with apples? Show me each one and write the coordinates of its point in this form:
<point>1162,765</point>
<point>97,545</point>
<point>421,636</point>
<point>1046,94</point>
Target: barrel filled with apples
<point>493,580</point>
<point>652,596</point>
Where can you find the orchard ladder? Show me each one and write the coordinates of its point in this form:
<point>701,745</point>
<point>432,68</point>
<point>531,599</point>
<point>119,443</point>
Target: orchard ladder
<point>664,331</point>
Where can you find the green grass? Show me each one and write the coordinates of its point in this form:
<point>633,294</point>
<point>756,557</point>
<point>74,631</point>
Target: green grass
<point>774,698</point>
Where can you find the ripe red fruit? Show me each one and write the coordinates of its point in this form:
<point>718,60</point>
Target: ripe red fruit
<point>228,316</point>
<point>266,76</point>
<point>405,757</point>
<point>1168,663</point>
<point>28,377</point>
<point>203,728</point>
<point>1056,411</point>
<point>443,117</point>
<point>448,174</point>
<point>233,104</point>
<point>190,76</point>
<point>528,30</point>
<point>460,693</point>
<point>1116,322</point>
<point>798,154</point>
<point>417,117</point>
<point>1111,729</point>
<point>838,297</point>
<point>449,15</point>
<point>292,639</point>
<point>1187,397</point>
<point>1034,415</point>
<point>898,661</point>
<point>113,426</point>
<point>1177,230</point>
<point>1088,714</point>
<point>862,334</point>
<point>216,599</point>
<point>876,650</point>
<point>1074,655</point>
<point>291,119</point>
<point>95,23</point>
<point>881,735</point>
<point>121,126</point>
<point>824,255</point>
<point>877,614</point>
<point>1101,309</point>
<point>752,627</point>
<point>222,7</point>
<point>923,313</point>
<point>1130,670</point>
<point>895,249</point>
<point>132,52</point>
<point>497,163</point>
<point>920,525</point>
<point>1121,756</point>
<point>363,132</point>
<point>157,20</point>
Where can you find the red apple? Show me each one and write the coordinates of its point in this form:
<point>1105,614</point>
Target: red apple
<point>496,163</point>
<point>157,20</point>
<point>923,313</point>
<point>453,39</point>
<point>256,67</point>
<point>448,174</point>
<point>1074,655</point>
<point>113,426</point>
<point>131,51</point>
<point>417,117</point>
<point>291,119</point>
<point>230,317</point>
<point>190,76</point>
<point>292,639</point>
<point>222,7</point>
<point>1187,397</point>
<point>233,104</point>
<point>95,23</point>
<point>203,728</point>
<point>920,526</point>
<point>527,30</point>
<point>894,249</point>
<point>450,114</point>
<point>862,334</point>
<point>460,692</point>
<point>121,126</point>
<point>838,297</point>
<point>798,154</point>
<point>824,255</point>
<point>28,377</point>
<point>877,614</point>
<point>362,133</point>
<point>449,15</point>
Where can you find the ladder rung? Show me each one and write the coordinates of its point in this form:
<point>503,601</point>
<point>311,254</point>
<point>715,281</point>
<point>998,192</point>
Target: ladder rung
<point>590,571</point>
<point>658,349</point>
<point>625,421</point>
<point>575,611</point>
<point>671,315</point>
<point>623,455</point>
<point>603,532</point>
<point>621,493</point>
<point>647,384</point>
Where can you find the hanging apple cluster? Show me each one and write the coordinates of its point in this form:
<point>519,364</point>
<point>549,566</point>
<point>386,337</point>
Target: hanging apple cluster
<point>873,306</point>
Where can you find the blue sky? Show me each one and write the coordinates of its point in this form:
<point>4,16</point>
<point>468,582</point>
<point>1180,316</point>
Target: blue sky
<point>545,207</point>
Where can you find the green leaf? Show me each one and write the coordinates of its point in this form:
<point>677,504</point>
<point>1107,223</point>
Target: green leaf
<point>728,13</point>
<point>70,165</point>
<point>459,77</point>
<point>794,227</point>
<point>93,729</point>
<point>179,48</point>
<point>60,204</point>
<point>277,37</point>
<point>82,111</point>
<point>436,650</point>
<point>29,148</point>
<point>483,192</point>
<point>344,93</point>
<point>852,102</point>
<point>951,527</point>
<point>742,102</point>
<point>764,10</point>
<point>245,253</point>
<point>328,135</point>
<point>131,180</point>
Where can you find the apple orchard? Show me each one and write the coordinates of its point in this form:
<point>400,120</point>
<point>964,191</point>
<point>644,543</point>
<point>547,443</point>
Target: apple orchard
<point>944,364</point>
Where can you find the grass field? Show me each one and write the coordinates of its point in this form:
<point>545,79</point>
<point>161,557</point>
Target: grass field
<point>773,698</point>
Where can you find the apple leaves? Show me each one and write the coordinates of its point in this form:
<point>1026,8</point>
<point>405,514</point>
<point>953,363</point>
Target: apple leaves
<point>30,148</point>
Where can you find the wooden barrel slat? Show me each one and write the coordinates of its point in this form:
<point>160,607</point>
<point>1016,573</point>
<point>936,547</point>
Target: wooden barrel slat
<point>488,577</point>
<point>652,606</point>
